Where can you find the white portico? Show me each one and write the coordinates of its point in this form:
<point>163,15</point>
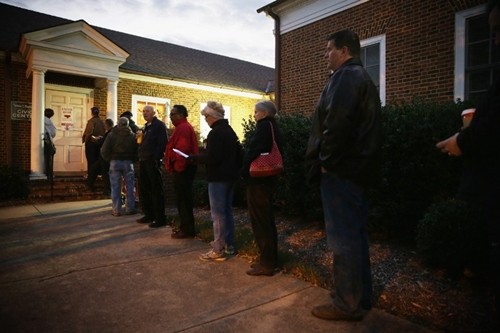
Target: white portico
<point>75,49</point>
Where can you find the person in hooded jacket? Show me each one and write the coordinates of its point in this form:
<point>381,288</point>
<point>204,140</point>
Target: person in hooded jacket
<point>120,149</point>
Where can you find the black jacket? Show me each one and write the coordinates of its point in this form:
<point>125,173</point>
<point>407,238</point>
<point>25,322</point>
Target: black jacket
<point>480,146</point>
<point>346,133</point>
<point>154,141</point>
<point>223,153</point>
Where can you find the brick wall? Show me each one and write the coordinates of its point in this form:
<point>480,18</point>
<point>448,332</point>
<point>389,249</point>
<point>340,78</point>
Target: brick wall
<point>16,141</point>
<point>241,108</point>
<point>419,50</point>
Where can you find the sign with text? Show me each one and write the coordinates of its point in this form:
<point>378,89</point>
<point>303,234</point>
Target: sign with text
<point>20,111</point>
<point>66,120</point>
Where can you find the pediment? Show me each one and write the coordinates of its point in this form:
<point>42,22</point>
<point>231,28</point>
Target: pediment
<point>76,37</point>
<point>74,48</point>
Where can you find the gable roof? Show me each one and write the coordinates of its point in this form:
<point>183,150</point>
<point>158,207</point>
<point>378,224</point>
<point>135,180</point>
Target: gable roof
<point>147,56</point>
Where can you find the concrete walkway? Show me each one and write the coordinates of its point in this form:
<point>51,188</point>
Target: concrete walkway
<point>73,267</point>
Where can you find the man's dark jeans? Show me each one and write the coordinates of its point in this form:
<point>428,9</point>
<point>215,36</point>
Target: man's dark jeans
<point>346,214</point>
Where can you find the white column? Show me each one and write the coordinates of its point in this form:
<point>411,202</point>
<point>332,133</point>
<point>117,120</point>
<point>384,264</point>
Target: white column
<point>112,100</point>
<point>37,124</point>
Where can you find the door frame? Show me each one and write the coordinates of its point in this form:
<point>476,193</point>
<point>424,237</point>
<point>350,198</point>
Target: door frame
<point>77,90</point>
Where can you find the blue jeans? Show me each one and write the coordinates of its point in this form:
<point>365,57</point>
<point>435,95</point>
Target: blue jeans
<point>346,214</point>
<point>117,170</point>
<point>220,195</point>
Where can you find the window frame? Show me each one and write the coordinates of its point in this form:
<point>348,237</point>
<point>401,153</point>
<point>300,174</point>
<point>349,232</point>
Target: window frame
<point>460,20</point>
<point>136,99</point>
<point>381,40</point>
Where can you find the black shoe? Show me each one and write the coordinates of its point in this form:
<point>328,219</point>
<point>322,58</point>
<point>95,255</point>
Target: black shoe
<point>181,234</point>
<point>257,270</point>
<point>329,312</point>
<point>144,220</point>
<point>155,224</point>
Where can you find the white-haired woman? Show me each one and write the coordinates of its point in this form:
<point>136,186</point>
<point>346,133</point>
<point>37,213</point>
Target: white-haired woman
<point>260,190</point>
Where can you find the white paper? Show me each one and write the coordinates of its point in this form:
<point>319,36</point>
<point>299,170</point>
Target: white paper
<point>177,151</point>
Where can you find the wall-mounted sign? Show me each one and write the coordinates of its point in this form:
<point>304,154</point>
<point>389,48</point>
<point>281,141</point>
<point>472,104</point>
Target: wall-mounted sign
<point>20,111</point>
<point>66,117</point>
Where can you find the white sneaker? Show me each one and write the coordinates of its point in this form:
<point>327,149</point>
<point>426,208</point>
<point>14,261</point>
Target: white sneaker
<point>213,256</point>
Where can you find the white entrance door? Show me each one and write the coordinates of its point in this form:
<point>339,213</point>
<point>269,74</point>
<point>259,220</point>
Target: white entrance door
<point>70,117</point>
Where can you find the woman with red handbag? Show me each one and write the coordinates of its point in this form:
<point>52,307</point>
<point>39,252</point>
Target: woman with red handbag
<point>262,163</point>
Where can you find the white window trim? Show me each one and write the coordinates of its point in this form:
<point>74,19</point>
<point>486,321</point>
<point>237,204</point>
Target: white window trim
<point>157,100</point>
<point>379,40</point>
<point>460,19</point>
<point>298,13</point>
<point>204,128</point>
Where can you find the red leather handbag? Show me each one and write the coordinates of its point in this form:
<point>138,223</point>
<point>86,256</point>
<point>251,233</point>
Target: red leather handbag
<point>268,164</point>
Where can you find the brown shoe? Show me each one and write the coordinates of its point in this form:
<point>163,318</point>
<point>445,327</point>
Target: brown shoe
<point>180,234</point>
<point>257,270</point>
<point>330,312</point>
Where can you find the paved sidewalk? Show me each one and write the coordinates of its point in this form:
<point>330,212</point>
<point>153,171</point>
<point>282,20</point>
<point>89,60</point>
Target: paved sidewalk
<point>73,267</point>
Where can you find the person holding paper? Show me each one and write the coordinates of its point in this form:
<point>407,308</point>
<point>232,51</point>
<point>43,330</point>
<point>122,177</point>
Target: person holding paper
<point>182,144</point>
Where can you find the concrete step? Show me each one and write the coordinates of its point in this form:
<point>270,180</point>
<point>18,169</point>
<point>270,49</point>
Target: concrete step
<point>65,189</point>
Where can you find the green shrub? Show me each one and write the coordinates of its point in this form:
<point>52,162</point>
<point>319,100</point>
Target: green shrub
<point>13,183</point>
<point>452,235</point>
<point>415,173</point>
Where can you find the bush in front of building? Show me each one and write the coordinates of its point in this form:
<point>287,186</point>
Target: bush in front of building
<point>453,235</point>
<point>415,173</point>
<point>13,183</point>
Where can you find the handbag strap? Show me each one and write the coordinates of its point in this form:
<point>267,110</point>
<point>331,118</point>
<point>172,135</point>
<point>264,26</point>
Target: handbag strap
<point>272,131</point>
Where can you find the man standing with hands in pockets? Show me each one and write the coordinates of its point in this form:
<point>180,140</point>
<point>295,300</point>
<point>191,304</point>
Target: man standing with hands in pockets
<point>343,155</point>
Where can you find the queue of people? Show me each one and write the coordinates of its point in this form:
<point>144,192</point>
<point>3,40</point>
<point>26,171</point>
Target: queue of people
<point>342,160</point>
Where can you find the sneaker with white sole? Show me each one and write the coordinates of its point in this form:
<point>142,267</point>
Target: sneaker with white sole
<point>213,256</point>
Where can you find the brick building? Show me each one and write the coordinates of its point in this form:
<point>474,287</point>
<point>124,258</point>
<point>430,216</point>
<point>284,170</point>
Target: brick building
<point>71,66</point>
<point>438,50</point>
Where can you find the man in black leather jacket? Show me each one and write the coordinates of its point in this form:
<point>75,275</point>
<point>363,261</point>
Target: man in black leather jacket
<point>343,154</point>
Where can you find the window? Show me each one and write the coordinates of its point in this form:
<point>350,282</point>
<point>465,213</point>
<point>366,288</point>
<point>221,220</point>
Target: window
<point>482,63</point>
<point>161,105</point>
<point>477,62</point>
<point>373,58</point>
<point>204,128</point>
